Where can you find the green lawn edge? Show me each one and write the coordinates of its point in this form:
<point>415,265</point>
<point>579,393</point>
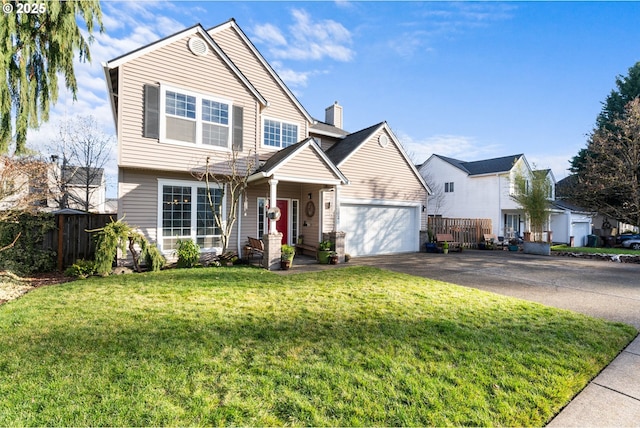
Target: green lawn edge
<point>355,346</point>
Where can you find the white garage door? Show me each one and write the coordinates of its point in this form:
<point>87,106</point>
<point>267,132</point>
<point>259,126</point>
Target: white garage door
<point>379,229</point>
<point>580,232</point>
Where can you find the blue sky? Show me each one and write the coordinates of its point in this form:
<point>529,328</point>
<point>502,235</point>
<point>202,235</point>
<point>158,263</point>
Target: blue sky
<point>470,80</point>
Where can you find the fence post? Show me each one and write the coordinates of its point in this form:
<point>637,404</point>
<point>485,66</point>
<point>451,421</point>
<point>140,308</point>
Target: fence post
<point>60,242</point>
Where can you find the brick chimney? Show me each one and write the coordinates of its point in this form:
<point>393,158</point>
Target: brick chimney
<point>333,115</point>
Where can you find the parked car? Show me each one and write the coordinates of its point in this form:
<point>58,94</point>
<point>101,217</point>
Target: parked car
<point>634,244</point>
<point>626,236</point>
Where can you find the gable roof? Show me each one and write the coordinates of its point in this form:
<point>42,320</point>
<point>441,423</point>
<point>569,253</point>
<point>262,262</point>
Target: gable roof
<point>110,67</point>
<point>282,157</point>
<point>345,148</point>
<point>232,24</point>
<point>486,166</point>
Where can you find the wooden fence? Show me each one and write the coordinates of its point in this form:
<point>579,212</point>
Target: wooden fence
<point>467,231</point>
<point>71,241</point>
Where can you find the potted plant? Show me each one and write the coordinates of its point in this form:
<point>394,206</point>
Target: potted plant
<point>532,193</point>
<point>445,247</point>
<point>333,258</point>
<point>324,250</point>
<point>513,244</point>
<point>286,256</point>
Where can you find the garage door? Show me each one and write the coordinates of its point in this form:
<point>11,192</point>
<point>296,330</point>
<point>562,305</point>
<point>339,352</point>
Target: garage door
<point>379,229</point>
<point>580,233</point>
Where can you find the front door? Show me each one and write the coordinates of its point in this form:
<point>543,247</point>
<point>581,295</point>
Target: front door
<point>282,225</point>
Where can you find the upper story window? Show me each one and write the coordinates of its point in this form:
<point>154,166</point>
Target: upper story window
<point>193,118</point>
<point>279,134</point>
<point>448,187</point>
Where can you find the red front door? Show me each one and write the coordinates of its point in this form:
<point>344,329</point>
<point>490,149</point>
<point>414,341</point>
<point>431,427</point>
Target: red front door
<point>282,225</point>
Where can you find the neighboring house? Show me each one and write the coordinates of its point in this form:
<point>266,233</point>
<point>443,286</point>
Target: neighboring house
<point>569,220</point>
<point>483,189</point>
<point>46,187</point>
<point>478,189</point>
<point>205,93</point>
<point>23,184</point>
<point>83,188</point>
<point>601,225</point>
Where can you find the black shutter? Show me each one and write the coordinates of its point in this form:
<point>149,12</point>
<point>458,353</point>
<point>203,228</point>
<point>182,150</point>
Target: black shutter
<point>237,128</point>
<point>151,127</point>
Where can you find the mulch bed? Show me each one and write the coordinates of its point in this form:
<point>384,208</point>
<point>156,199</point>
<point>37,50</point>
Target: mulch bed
<point>12,287</point>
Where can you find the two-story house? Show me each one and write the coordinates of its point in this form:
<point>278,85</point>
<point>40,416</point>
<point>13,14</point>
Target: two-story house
<point>202,94</point>
<point>484,189</point>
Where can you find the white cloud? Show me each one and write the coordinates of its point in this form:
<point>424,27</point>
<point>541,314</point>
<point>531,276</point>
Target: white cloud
<point>456,146</point>
<point>291,77</point>
<point>443,21</point>
<point>269,34</point>
<point>307,39</point>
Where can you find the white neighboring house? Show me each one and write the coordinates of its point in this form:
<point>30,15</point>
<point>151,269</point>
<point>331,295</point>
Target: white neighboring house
<point>483,189</point>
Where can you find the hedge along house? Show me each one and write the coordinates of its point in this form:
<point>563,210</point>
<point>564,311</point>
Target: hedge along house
<point>202,94</point>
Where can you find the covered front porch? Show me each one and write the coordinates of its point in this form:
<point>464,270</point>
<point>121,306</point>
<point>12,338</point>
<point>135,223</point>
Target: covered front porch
<point>296,195</point>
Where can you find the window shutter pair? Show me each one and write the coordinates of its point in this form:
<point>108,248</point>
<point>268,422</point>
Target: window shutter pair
<point>151,120</point>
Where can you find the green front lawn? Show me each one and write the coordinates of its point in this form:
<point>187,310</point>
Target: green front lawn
<point>596,250</point>
<point>242,346</point>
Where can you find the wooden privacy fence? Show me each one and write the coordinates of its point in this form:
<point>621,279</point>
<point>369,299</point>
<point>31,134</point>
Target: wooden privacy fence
<point>71,241</point>
<point>467,231</point>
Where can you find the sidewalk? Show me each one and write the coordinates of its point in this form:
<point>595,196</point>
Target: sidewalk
<point>592,287</point>
<point>611,399</point>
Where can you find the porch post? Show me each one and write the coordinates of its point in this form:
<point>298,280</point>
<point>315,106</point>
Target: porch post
<point>273,239</point>
<point>336,216</point>
<point>273,197</point>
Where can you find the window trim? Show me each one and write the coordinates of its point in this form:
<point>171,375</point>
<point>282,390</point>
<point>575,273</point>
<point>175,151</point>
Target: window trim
<point>194,185</point>
<point>448,187</point>
<point>281,122</point>
<point>164,88</point>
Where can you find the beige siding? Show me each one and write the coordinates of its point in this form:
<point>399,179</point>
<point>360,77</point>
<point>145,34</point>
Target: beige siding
<point>376,172</point>
<point>280,105</point>
<point>307,165</point>
<point>175,65</point>
<point>138,201</point>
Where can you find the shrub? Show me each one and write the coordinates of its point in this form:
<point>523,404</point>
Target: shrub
<point>81,269</point>
<point>188,254</point>
<point>116,235</point>
<point>30,253</point>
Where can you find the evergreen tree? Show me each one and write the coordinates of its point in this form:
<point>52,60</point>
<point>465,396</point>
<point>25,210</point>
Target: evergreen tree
<point>34,48</point>
<point>610,180</point>
<point>628,88</point>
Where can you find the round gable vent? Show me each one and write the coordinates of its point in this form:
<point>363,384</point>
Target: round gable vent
<point>383,140</point>
<point>197,46</point>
